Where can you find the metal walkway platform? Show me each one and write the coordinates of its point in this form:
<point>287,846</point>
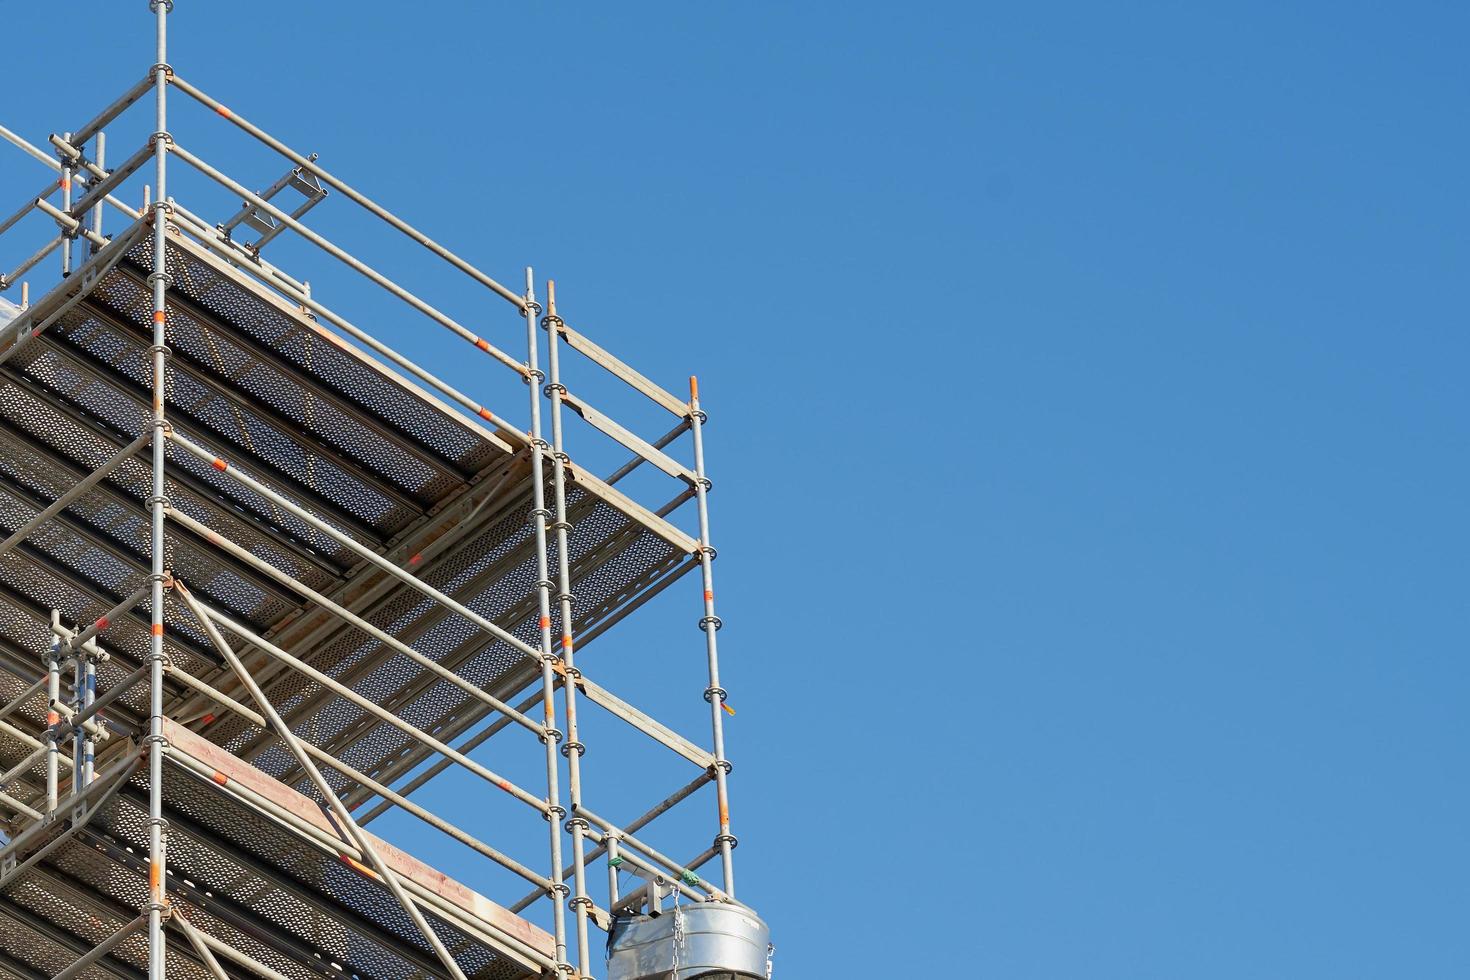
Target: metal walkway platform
<point>261,384</point>
<point>257,867</point>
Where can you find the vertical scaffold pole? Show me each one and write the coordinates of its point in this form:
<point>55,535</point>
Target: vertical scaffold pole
<point>573,748</point>
<point>85,756</point>
<point>710,623</point>
<point>157,828</point>
<point>53,717</point>
<point>101,153</point>
<point>66,171</point>
<point>539,517</point>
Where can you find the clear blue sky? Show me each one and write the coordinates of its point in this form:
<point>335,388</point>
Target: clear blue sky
<point>1088,388</point>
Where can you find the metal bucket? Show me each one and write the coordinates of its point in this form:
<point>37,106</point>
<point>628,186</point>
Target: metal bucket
<point>708,940</point>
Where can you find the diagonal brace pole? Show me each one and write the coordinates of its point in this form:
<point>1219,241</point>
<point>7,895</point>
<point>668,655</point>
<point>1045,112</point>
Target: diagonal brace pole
<point>360,839</point>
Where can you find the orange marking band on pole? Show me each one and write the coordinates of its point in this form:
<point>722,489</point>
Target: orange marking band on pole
<point>52,718</point>
<point>220,464</point>
<point>158,316</point>
<point>482,345</point>
<point>357,865</point>
<point>220,778</point>
<point>155,877</point>
<point>207,719</point>
<point>709,596</point>
<point>102,623</point>
<point>65,183</point>
<point>157,629</point>
<point>545,622</point>
<point>485,414</point>
<point>415,559</point>
<point>222,111</point>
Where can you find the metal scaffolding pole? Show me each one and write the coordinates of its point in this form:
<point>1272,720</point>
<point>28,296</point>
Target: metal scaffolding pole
<point>359,837</point>
<point>156,740</point>
<point>539,517</point>
<point>379,529</point>
<point>395,799</point>
<point>710,624</point>
<point>348,260</point>
<point>53,722</point>
<point>310,164</point>
<point>573,749</point>
<point>66,238</point>
<point>387,717</point>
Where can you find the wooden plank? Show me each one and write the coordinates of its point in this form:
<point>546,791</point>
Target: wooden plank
<point>582,345</point>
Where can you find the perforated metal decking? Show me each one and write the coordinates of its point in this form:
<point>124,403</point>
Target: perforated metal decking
<point>257,866</point>
<point>261,384</point>
<point>378,458</point>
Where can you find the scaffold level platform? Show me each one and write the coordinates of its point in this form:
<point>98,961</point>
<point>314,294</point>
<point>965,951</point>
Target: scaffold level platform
<point>385,462</point>
<point>255,865</point>
<point>263,578</point>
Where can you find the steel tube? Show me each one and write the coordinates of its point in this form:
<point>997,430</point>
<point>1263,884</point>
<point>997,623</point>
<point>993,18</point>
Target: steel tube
<point>20,767</point>
<point>637,895</point>
<point>539,515</point>
<point>348,260</point>
<point>101,950</point>
<point>70,226</point>
<point>28,206</point>
<point>351,545</point>
<point>20,807</point>
<point>53,735</point>
<point>156,741</point>
<point>638,460</point>
<point>22,698</point>
<point>14,275</point>
<point>102,188</point>
<point>296,291</point>
<point>66,221</point>
<point>347,616</point>
<point>581,901</point>
<point>674,867</point>
<point>316,752</point>
<point>31,150</point>
<point>408,728</point>
<point>21,329</point>
<point>466,746</point>
<point>66,171</point>
<point>668,803</point>
<point>231,953</point>
<point>387,875</point>
<point>78,490</point>
<point>108,618</point>
<point>205,953</point>
<point>114,110</point>
<point>29,741</point>
<point>710,623</point>
<point>113,693</point>
<point>383,213</point>
<point>101,153</point>
<point>646,867</point>
<point>203,229</point>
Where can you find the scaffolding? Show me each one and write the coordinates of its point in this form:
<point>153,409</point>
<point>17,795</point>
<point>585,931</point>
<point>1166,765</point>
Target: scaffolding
<point>263,578</point>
